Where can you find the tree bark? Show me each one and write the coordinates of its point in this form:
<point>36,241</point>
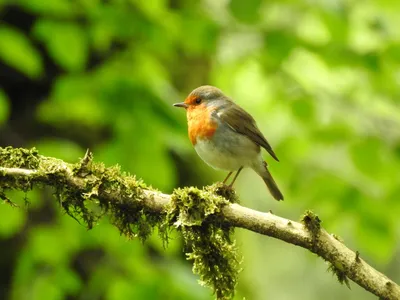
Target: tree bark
<point>21,174</point>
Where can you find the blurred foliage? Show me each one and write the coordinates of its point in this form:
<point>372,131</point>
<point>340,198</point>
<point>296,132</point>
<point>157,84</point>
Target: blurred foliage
<point>3,107</point>
<point>17,51</point>
<point>320,77</point>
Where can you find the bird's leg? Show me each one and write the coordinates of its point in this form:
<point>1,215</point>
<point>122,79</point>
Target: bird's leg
<point>234,178</point>
<point>227,177</point>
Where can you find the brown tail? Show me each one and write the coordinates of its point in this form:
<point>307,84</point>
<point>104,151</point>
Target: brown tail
<point>270,182</point>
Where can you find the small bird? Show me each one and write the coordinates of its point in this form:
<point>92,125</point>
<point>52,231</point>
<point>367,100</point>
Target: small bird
<point>225,136</point>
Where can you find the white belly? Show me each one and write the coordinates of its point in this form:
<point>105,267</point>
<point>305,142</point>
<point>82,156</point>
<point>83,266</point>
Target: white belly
<point>229,155</point>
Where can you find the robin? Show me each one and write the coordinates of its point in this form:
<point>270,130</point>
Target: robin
<point>225,136</point>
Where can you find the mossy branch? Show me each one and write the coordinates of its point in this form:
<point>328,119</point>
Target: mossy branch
<point>135,209</point>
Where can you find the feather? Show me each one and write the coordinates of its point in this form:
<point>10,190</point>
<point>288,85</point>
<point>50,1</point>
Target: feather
<point>242,122</point>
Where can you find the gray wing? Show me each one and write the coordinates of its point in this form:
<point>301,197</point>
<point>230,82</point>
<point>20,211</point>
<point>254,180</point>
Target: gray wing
<point>242,122</point>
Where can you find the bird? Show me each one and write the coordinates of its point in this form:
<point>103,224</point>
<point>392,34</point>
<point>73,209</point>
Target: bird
<point>225,136</point>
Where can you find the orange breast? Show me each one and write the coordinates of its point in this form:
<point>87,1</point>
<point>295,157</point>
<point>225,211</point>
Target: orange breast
<point>200,124</point>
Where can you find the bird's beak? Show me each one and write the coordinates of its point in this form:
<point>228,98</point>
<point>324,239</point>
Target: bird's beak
<point>181,104</point>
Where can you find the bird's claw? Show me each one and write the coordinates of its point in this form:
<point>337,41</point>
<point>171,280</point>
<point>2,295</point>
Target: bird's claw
<point>224,190</point>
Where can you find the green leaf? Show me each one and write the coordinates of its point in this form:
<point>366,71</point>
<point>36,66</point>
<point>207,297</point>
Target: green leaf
<point>75,94</point>
<point>313,30</point>
<point>11,219</point>
<point>151,160</point>
<point>139,133</point>
<point>280,44</point>
<point>62,149</point>
<point>53,7</point>
<point>377,234</point>
<point>67,280</point>
<point>66,42</point>
<point>4,107</point>
<point>366,155</point>
<point>304,109</point>
<point>48,246</point>
<point>245,11</point>
<point>121,289</point>
<point>200,34</point>
<point>335,132</point>
<point>18,52</point>
<point>43,287</point>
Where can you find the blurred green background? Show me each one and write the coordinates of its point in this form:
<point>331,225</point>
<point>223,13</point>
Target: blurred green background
<point>320,77</point>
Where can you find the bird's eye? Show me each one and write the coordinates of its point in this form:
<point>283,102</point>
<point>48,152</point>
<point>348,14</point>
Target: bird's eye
<point>198,100</point>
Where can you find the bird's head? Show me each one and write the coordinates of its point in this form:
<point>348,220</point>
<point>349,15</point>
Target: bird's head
<point>201,97</point>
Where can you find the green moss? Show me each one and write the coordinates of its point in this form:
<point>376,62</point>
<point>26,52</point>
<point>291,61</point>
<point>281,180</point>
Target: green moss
<point>313,225</point>
<point>208,243</point>
<point>223,190</point>
<point>85,194</point>
<point>340,274</point>
<point>19,158</point>
<point>90,203</point>
<point>312,222</point>
<point>126,210</point>
<point>6,199</point>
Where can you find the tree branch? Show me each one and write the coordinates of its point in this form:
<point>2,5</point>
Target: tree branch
<point>30,169</point>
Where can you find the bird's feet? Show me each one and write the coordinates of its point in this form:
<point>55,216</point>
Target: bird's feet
<point>225,190</point>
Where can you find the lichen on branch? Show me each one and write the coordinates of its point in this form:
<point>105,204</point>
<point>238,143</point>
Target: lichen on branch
<point>207,236</point>
<point>88,190</point>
